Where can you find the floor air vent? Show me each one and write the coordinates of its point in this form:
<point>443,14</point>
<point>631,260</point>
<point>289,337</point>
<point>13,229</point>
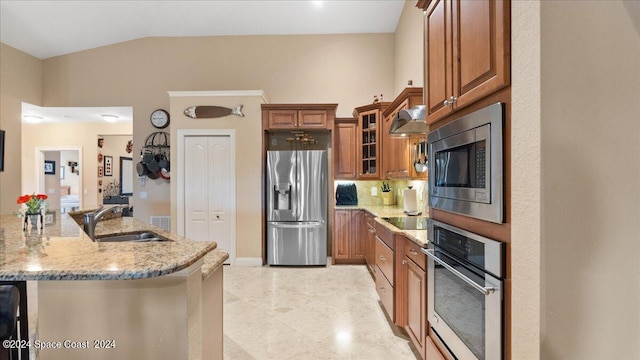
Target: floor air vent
<point>163,222</point>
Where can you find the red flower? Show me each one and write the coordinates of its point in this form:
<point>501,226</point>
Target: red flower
<point>34,202</point>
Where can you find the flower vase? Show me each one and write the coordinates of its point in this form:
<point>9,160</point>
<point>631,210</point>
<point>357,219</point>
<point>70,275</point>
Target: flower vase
<point>33,219</point>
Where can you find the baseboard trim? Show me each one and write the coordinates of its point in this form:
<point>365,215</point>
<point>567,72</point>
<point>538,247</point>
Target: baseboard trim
<point>248,262</point>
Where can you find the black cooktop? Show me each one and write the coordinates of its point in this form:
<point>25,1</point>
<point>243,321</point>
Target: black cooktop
<point>408,222</point>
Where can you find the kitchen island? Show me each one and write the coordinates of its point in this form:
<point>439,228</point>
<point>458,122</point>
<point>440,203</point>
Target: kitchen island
<point>126,300</point>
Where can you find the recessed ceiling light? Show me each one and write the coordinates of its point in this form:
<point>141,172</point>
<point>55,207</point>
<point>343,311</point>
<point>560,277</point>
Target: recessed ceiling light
<point>32,119</point>
<point>110,118</point>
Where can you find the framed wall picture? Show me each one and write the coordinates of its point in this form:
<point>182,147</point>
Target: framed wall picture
<point>1,150</point>
<point>108,165</point>
<point>49,167</point>
<point>100,171</point>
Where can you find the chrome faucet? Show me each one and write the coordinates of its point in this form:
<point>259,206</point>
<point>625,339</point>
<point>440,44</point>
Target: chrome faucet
<point>91,218</point>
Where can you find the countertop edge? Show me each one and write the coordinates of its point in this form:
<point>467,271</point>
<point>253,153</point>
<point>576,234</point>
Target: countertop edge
<point>383,211</point>
<point>90,275</point>
<point>212,262</point>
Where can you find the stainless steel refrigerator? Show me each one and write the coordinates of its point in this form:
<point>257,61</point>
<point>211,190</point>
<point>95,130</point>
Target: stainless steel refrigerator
<point>297,207</point>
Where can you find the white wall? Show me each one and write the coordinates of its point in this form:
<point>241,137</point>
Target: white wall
<point>71,179</point>
<point>525,180</point>
<point>590,112</point>
<point>52,182</point>
<point>409,49</point>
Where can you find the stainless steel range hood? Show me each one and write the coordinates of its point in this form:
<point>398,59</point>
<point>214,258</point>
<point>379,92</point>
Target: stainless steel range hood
<point>410,122</point>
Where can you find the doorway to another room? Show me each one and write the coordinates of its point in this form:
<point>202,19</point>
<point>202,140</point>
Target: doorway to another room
<point>60,177</point>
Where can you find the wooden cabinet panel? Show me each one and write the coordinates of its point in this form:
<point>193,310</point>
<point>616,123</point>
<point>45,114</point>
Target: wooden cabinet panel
<point>312,119</point>
<point>438,59</point>
<point>481,43</point>
<point>416,305</point>
<point>298,116</point>
<point>345,153</point>
<point>431,351</point>
<point>283,119</point>
<point>385,290</point>
<point>466,51</point>
<point>384,260</point>
<point>412,251</point>
<point>370,248</point>
<point>358,242</point>
<point>341,234</point>
<point>348,238</point>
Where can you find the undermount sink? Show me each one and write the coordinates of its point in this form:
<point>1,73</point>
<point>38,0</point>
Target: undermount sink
<point>138,236</point>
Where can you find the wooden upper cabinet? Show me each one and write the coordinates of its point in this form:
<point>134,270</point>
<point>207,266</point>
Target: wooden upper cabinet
<point>345,136</point>
<point>298,116</point>
<point>313,119</point>
<point>369,139</point>
<point>467,53</point>
<point>398,152</point>
<point>438,59</point>
<point>283,119</point>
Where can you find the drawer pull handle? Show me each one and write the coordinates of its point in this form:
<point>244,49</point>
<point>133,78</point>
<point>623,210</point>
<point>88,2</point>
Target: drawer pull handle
<point>413,252</point>
<point>382,258</point>
<point>383,289</point>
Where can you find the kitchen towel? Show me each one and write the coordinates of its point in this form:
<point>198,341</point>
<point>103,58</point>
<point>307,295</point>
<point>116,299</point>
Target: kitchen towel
<point>410,200</point>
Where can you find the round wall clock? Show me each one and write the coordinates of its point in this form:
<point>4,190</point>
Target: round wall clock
<point>160,119</point>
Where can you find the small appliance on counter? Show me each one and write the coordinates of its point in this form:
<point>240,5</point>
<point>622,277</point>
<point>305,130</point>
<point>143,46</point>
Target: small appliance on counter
<point>411,202</point>
<point>346,194</point>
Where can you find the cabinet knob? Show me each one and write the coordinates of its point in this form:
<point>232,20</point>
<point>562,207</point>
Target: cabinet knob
<point>383,289</point>
<point>404,262</point>
<point>382,258</point>
<point>446,103</point>
<point>453,100</point>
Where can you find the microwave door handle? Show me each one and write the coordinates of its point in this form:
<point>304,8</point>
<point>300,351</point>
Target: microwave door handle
<point>482,289</point>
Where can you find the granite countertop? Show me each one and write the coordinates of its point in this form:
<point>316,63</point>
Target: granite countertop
<point>62,251</point>
<point>212,262</point>
<point>379,211</point>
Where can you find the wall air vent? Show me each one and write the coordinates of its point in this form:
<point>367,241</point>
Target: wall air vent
<point>163,222</point>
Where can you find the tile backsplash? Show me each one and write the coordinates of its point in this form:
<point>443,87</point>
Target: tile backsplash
<point>397,186</point>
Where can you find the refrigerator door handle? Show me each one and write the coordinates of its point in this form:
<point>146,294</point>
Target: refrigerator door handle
<point>288,225</point>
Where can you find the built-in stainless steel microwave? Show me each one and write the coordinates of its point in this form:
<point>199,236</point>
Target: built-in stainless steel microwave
<point>466,165</point>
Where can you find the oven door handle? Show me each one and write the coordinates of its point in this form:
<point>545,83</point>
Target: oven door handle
<point>485,290</point>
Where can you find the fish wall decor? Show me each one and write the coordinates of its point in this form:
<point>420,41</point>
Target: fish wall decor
<point>207,112</point>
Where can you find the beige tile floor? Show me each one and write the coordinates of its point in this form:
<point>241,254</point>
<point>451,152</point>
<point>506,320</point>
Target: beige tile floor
<point>307,313</point>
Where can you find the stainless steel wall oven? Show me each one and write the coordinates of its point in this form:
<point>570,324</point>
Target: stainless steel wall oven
<point>465,291</point>
<point>466,165</point>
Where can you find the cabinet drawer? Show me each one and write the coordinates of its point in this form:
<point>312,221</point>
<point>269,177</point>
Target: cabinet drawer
<point>385,235</point>
<point>384,260</point>
<point>412,251</point>
<point>385,291</point>
<point>370,219</point>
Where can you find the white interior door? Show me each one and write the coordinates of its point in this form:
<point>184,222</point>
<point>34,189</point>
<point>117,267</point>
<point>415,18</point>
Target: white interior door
<point>209,201</point>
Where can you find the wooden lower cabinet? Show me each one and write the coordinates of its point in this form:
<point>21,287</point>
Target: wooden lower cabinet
<point>431,351</point>
<point>416,304</point>
<point>386,292</point>
<point>370,243</point>
<point>348,242</point>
